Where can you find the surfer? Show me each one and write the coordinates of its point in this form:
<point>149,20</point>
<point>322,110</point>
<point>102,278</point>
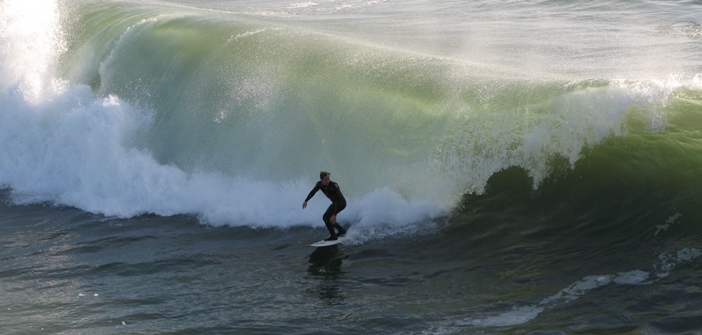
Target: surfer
<point>333,192</point>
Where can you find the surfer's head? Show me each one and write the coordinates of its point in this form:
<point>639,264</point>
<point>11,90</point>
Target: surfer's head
<point>324,177</point>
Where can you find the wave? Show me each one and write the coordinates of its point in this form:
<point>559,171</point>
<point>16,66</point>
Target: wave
<point>167,110</point>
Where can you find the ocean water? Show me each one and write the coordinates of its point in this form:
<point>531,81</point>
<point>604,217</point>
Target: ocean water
<point>511,167</point>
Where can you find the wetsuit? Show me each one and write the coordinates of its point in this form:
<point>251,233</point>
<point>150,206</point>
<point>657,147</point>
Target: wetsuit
<point>333,192</point>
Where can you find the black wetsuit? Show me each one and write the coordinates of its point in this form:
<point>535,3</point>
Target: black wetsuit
<point>333,192</point>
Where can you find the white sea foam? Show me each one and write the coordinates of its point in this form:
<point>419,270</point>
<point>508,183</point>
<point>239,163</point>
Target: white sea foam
<point>304,4</point>
<point>516,316</point>
<point>668,262</point>
<point>636,277</point>
<point>73,150</point>
<point>64,145</point>
<point>668,222</point>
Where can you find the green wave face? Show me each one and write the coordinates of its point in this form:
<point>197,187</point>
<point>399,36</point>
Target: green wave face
<point>246,97</point>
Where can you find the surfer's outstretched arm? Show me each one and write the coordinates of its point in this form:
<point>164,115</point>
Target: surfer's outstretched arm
<point>309,196</point>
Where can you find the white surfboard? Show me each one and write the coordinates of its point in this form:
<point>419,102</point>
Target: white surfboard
<point>323,243</point>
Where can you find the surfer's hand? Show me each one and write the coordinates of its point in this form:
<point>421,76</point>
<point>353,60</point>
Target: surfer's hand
<point>304,205</point>
<point>333,219</point>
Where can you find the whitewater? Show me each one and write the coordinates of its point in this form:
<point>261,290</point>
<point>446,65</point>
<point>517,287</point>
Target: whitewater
<point>66,145</point>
